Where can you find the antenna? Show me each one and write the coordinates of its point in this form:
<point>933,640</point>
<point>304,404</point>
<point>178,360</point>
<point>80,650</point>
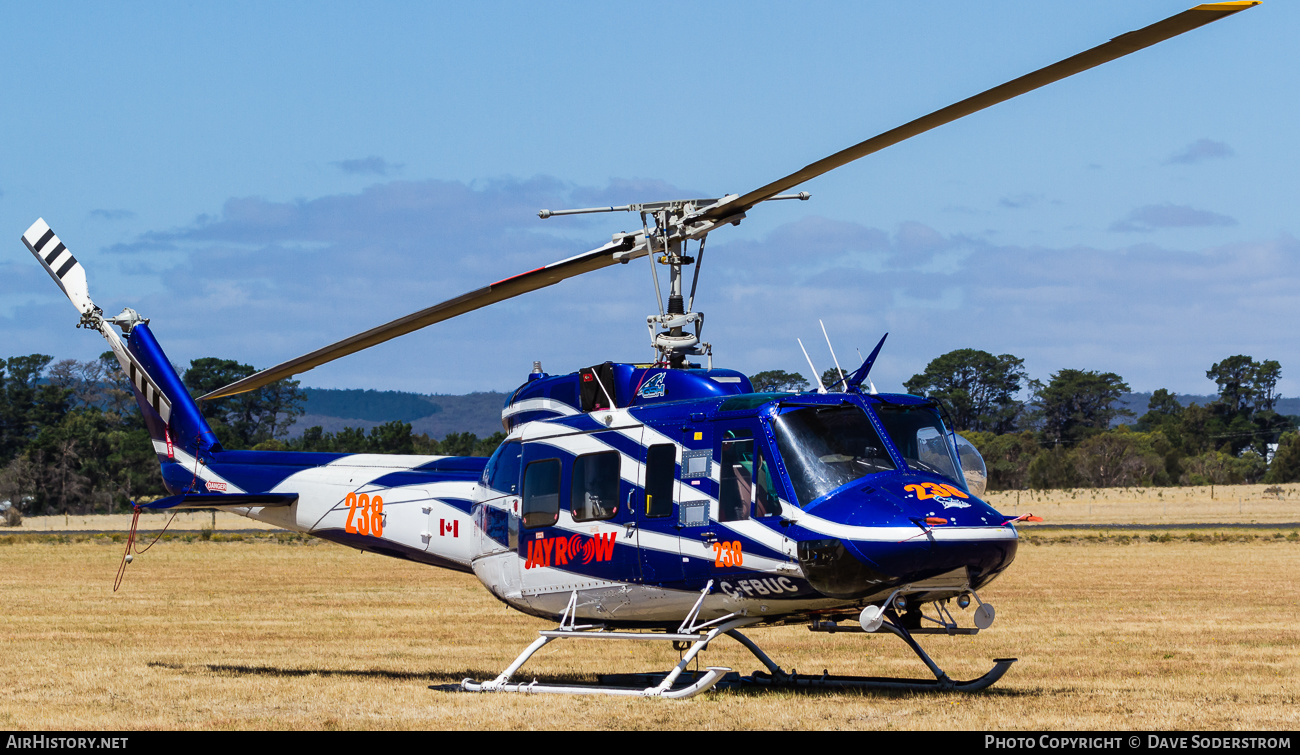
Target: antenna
<point>844,382</point>
<point>816,376</point>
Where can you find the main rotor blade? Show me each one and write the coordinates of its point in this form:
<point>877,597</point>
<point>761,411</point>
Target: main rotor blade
<point>499,291</point>
<point>1116,48</point>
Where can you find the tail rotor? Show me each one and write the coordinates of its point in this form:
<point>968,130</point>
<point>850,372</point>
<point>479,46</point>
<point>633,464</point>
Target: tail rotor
<point>68,273</point>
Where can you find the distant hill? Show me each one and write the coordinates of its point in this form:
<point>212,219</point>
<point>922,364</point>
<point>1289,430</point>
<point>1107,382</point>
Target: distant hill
<point>480,413</point>
<point>1137,403</point>
<point>375,406</point>
<point>437,415</point>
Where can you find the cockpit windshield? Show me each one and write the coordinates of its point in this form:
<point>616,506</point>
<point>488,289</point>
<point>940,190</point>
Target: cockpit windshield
<point>826,447</point>
<point>920,437</point>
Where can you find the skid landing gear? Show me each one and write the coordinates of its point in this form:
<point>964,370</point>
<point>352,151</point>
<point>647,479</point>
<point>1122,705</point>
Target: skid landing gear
<point>775,677</point>
<point>692,639</point>
<point>690,636</point>
<point>887,617</point>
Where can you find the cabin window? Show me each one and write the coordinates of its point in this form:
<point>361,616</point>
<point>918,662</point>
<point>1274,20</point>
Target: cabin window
<point>541,506</point>
<point>595,486</point>
<point>502,471</point>
<point>660,476</point>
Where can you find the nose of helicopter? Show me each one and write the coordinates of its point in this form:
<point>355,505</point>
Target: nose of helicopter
<point>903,531</point>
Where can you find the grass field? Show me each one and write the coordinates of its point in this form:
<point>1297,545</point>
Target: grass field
<point>1114,631</point>
<point>1260,504</point>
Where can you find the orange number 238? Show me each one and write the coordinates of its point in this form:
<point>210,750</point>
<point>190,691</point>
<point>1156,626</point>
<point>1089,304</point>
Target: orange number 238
<point>365,515</point>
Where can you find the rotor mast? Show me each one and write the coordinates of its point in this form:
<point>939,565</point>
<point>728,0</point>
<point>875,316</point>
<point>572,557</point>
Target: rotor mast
<point>666,227</point>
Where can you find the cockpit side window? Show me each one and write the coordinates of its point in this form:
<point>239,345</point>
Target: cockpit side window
<point>766,502</point>
<point>919,435</point>
<point>735,476</point>
<point>744,493</point>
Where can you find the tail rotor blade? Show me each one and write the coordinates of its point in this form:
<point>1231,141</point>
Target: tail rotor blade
<point>60,264</point>
<point>66,271</point>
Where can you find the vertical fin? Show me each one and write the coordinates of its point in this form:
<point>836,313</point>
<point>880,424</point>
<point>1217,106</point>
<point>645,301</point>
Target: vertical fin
<point>153,395</point>
<point>861,373</point>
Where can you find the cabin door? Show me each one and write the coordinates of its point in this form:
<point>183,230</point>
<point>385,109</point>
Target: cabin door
<point>575,527</point>
<point>655,510</point>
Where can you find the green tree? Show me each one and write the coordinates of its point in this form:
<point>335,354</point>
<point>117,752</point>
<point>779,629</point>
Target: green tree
<point>1285,466</point>
<point>1198,430</point>
<point>1053,468</point>
<point>391,438</point>
<point>26,403</point>
<point>70,457</point>
<point>1246,385</point>
<point>1163,409</point>
<point>246,419</point>
<point>488,445</point>
<point>458,444</point>
<point>1077,404</point>
<point>1219,468</point>
<point>978,389</point>
<point>832,381</point>
<point>1006,456</point>
<point>1247,398</point>
<point>771,381</point>
<point>1121,458</point>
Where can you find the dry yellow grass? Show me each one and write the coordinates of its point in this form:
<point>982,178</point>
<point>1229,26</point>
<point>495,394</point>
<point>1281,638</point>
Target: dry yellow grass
<point>1260,504</point>
<point>260,635</point>
<point>150,521</point>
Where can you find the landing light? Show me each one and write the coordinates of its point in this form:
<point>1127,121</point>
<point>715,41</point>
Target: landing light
<point>963,601</point>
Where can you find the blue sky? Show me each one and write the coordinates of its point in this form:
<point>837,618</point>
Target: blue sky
<point>261,179</point>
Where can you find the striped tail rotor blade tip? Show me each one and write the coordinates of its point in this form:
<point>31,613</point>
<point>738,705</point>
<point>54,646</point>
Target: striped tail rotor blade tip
<point>59,262</point>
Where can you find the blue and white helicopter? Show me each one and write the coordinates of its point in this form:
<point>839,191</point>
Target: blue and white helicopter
<point>658,502</point>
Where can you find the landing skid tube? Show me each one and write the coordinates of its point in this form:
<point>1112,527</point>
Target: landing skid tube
<point>688,633</point>
<point>776,677</point>
<point>695,639</point>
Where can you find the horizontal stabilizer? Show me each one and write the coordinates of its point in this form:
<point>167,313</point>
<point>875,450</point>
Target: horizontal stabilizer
<point>222,501</point>
<point>60,264</point>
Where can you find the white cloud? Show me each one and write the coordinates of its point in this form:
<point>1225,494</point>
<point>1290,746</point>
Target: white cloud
<point>1149,218</point>
<point>372,166</point>
<point>1200,151</point>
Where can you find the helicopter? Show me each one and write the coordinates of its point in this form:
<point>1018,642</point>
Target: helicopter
<point>664,501</point>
